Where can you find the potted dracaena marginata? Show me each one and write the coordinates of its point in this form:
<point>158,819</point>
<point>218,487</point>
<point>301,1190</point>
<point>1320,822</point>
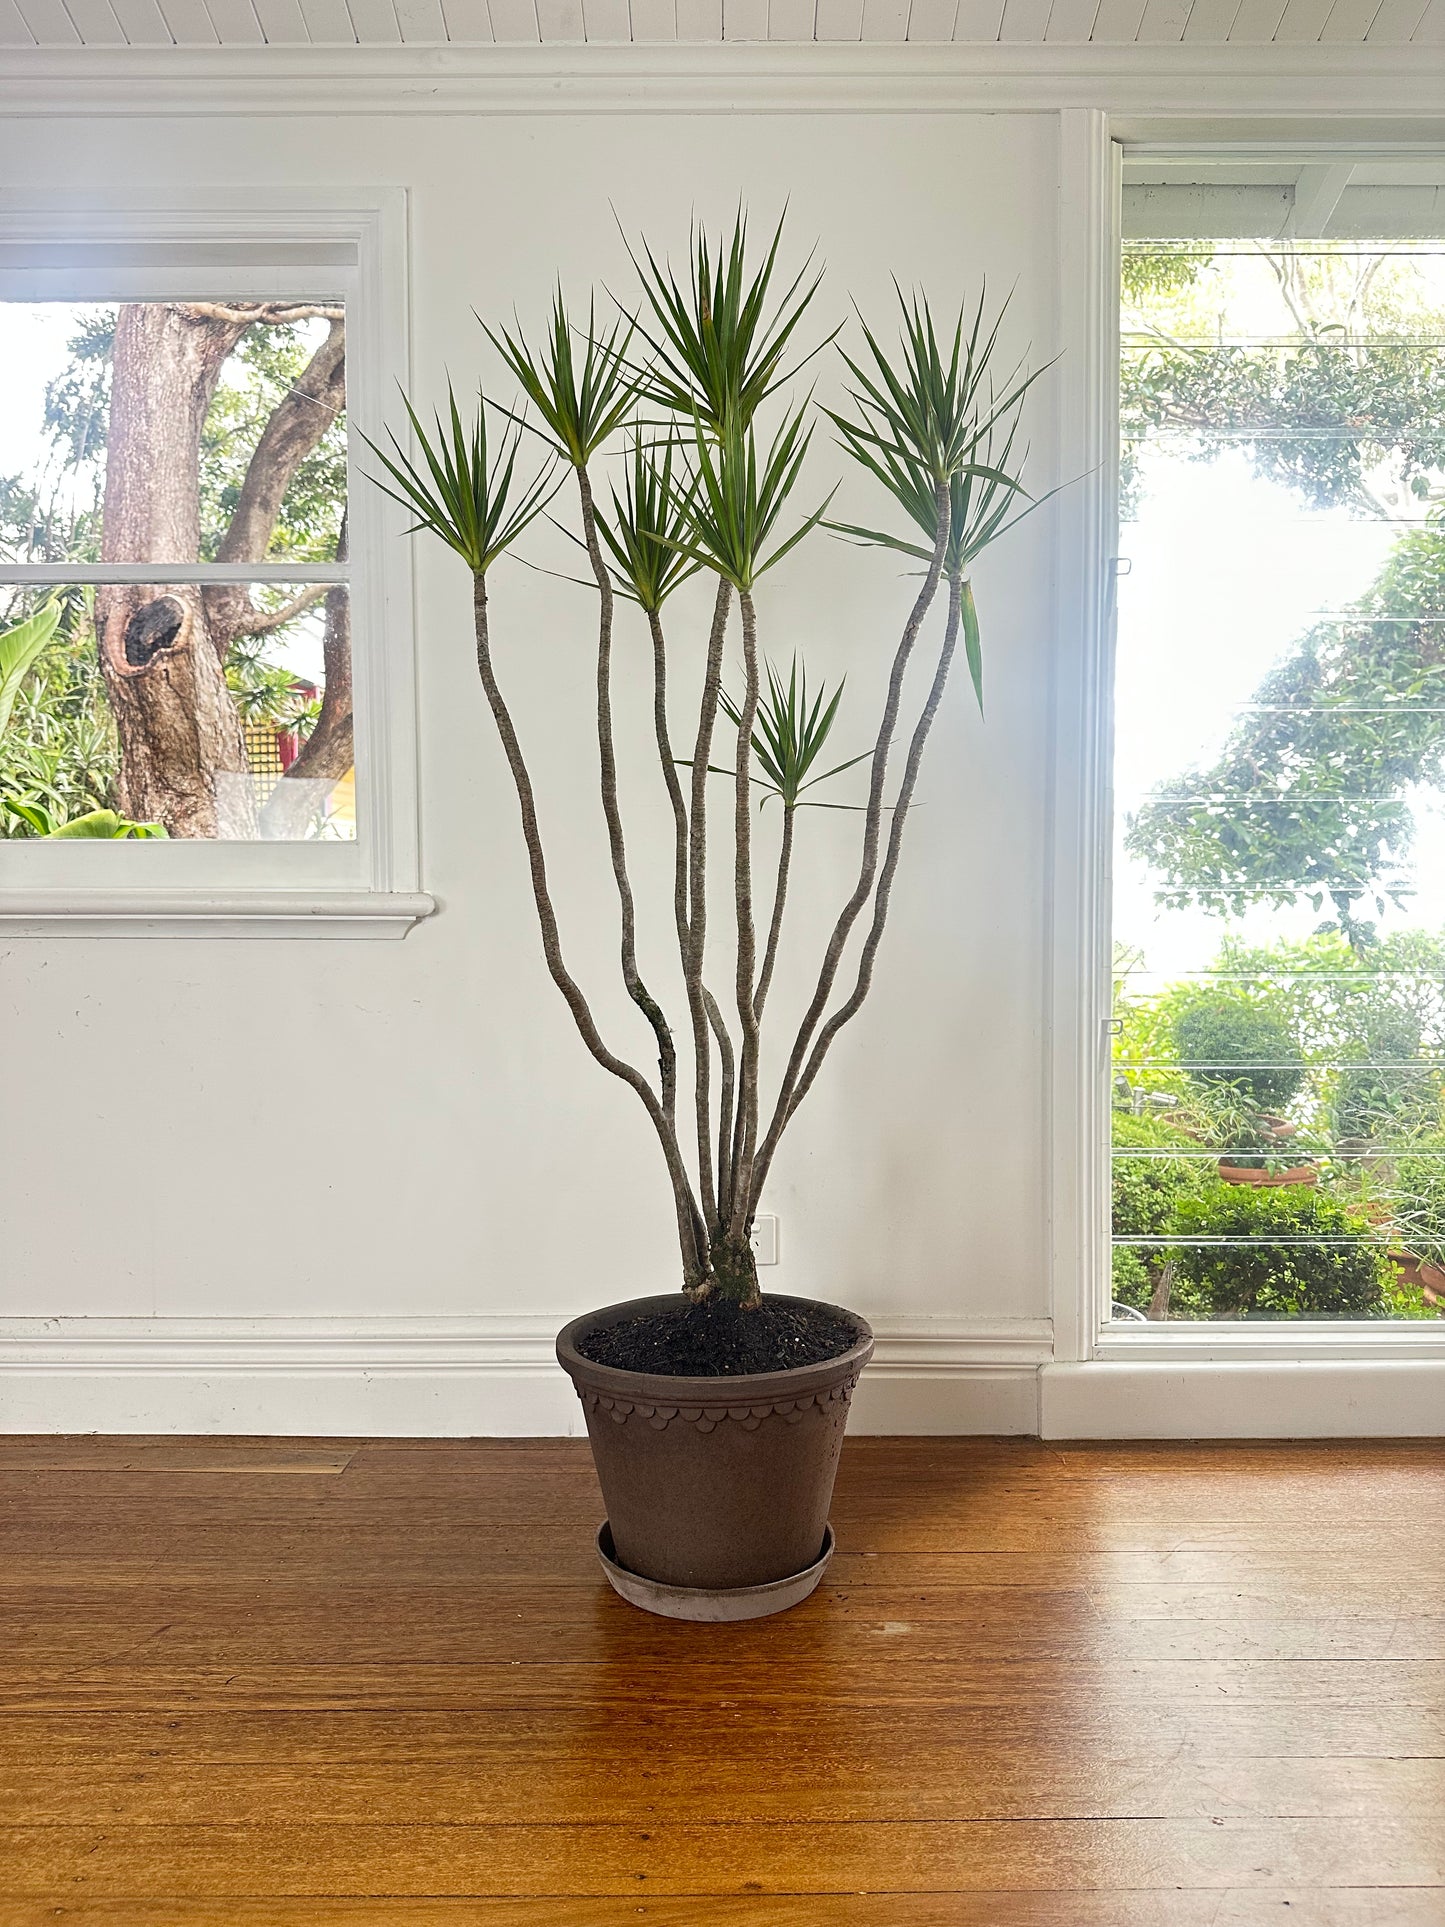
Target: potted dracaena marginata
<point>716,1414</point>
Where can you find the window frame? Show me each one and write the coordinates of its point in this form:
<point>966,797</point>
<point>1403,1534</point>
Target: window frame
<point>1081,828</point>
<point>273,243</point>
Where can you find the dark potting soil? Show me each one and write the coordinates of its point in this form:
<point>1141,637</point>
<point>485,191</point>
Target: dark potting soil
<point>718,1339</point>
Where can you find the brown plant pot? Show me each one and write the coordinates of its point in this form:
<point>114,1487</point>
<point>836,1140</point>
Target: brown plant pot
<point>1249,1174</point>
<point>715,1485</point>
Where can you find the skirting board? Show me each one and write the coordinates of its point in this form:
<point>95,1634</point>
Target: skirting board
<point>483,1377</point>
<point>1318,1398</point>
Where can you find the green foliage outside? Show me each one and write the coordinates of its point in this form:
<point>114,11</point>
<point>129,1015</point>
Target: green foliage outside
<point>1284,1279</point>
<point>1347,410</point>
<point>1226,1041</point>
<point>60,757</point>
<point>1308,1011</point>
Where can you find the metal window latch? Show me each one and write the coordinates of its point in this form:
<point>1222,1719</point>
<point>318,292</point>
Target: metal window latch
<point>1123,565</point>
<point>1113,1026</point>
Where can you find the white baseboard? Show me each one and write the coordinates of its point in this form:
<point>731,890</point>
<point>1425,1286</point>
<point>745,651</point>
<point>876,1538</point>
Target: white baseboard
<point>481,1377</point>
<point>1310,1398</point>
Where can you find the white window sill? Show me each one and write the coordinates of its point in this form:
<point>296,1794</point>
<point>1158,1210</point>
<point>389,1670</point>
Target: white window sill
<point>1359,1340</point>
<point>202,913</point>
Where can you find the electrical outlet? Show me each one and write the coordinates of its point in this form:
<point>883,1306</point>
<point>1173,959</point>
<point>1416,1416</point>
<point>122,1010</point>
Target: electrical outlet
<point>765,1238</point>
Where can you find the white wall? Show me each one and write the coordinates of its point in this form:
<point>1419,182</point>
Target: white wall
<point>344,1132</point>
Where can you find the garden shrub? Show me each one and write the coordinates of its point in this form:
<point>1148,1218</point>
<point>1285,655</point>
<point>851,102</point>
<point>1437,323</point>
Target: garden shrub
<point>1145,1193</point>
<point>1228,1040</point>
<point>1284,1280</point>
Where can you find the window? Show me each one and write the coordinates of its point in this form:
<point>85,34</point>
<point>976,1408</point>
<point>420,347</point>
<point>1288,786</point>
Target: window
<point>200,595</point>
<point>1278,1073</point>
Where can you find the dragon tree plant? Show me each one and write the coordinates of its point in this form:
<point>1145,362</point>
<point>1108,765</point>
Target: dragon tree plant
<point>674,394</point>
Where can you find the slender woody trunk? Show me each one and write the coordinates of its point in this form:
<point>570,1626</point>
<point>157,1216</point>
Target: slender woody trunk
<point>872,830</point>
<point>673,782</point>
<point>636,989</point>
<point>692,1233</point>
<point>957,591</point>
<point>746,1125</point>
<point>697,902</point>
<point>780,898</point>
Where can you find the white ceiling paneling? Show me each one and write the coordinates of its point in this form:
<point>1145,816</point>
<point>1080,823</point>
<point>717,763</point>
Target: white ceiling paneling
<point>1256,21</point>
<point>236,22</point>
<point>978,21</point>
<point>98,26</point>
<point>422,22</point>
<point>931,22</point>
<point>1349,20</point>
<point>375,22</point>
<point>328,24</point>
<point>1164,22</point>
<point>13,30</point>
<point>745,19</point>
<point>59,24</point>
<point>282,22</point>
<point>514,20</point>
<point>602,20</point>
<point>1071,22</point>
<point>142,23</point>
<point>556,20</point>
<point>469,22</point>
<point>1302,21</point>
<point>699,19</point>
<point>839,20</point>
<point>1119,20</point>
<point>189,23</point>
<point>1024,21</point>
<point>885,20</point>
<point>792,19</point>
<point>50,25</point>
<point>1395,22</point>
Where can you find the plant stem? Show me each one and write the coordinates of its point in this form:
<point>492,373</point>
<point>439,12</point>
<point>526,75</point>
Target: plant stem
<point>780,897</point>
<point>697,899</point>
<point>864,980</point>
<point>671,779</point>
<point>692,1233</point>
<point>745,1127</point>
<point>725,1103</point>
<point>636,989</point>
<point>872,824</point>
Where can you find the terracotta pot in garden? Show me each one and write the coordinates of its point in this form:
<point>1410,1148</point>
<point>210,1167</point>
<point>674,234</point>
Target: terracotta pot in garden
<point>1423,1272</point>
<point>1250,1174</point>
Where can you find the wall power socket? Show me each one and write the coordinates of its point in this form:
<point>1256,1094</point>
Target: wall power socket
<point>765,1238</point>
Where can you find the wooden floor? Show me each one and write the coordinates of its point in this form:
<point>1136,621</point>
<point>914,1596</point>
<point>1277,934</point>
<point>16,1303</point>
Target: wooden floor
<point>284,1682</point>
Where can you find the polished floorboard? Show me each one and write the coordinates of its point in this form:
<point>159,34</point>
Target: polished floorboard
<point>308,1683</point>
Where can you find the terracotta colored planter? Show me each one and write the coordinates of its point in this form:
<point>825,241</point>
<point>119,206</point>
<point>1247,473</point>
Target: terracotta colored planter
<point>715,1484</point>
<point>1249,1174</point>
<point>1423,1272</point>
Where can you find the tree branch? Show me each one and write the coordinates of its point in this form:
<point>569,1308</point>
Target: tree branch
<point>697,898</point>
<point>725,1102</point>
<point>745,1127</point>
<point>270,314</point>
<point>607,756</point>
<point>863,982</point>
<point>261,622</point>
<point>692,1235</point>
<point>672,780</point>
<point>329,751</point>
<point>872,827</point>
<point>780,895</point>
<point>296,425</point>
